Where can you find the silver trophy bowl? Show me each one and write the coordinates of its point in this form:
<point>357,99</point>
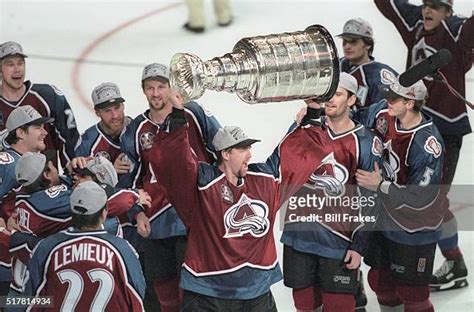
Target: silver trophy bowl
<point>272,68</point>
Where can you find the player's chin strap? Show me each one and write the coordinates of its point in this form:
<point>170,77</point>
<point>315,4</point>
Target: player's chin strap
<point>440,77</point>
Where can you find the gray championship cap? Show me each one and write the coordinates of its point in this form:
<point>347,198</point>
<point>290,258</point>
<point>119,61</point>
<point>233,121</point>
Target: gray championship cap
<point>438,2</point>
<point>10,48</point>
<point>25,115</point>
<point>106,94</point>
<point>29,167</point>
<point>357,28</point>
<point>416,91</point>
<point>348,82</point>
<point>102,169</point>
<point>156,70</point>
<point>87,198</point>
<point>231,137</point>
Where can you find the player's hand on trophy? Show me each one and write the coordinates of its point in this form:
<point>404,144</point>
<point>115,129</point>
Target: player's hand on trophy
<point>122,164</point>
<point>176,99</point>
<point>369,180</point>
<point>352,259</point>
<point>300,115</point>
<point>311,111</point>
<point>144,199</point>
<point>313,104</point>
<point>143,225</point>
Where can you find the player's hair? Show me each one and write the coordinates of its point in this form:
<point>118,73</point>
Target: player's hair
<point>357,102</point>
<point>219,158</point>
<point>80,221</point>
<point>370,42</point>
<point>160,79</point>
<point>418,105</point>
<point>12,138</point>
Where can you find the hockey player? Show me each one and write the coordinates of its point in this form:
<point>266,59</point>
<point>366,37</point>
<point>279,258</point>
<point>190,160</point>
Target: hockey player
<point>103,138</point>
<point>85,268</point>
<point>229,209</point>
<point>43,207</point>
<point>358,46</point>
<point>120,202</point>
<point>123,222</point>
<point>425,30</point>
<point>168,235</point>
<point>401,254</point>
<point>26,133</point>
<point>319,253</point>
<point>46,99</point>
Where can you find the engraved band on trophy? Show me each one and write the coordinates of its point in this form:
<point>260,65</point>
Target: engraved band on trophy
<point>272,68</point>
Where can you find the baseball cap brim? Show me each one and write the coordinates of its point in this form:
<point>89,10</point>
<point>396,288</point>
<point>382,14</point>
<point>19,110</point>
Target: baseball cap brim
<point>156,77</point>
<point>39,121</point>
<point>244,143</point>
<point>437,3</point>
<point>13,54</point>
<point>351,36</point>
<point>109,102</point>
<point>42,120</point>
<point>388,93</point>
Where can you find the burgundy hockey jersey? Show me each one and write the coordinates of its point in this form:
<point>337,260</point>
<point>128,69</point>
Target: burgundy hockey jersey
<point>137,143</point>
<point>231,249</point>
<point>455,34</point>
<point>86,271</point>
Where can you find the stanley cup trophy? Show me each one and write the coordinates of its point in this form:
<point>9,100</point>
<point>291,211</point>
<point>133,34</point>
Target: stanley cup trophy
<point>273,68</point>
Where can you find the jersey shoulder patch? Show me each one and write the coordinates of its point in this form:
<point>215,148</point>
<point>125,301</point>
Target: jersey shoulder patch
<point>57,91</point>
<point>433,146</point>
<point>387,77</point>
<point>377,146</point>
<point>6,158</point>
<point>55,190</point>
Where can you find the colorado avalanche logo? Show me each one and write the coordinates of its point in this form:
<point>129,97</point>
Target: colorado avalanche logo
<point>420,52</point>
<point>54,191</point>
<point>146,140</point>
<point>103,154</point>
<point>6,158</point>
<point>432,146</point>
<point>387,77</point>
<point>248,216</point>
<point>391,165</point>
<point>330,176</point>
<point>377,147</point>
<point>381,125</point>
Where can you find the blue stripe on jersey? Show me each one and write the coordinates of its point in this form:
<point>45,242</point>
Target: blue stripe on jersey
<point>5,272</point>
<point>319,241</point>
<point>393,232</point>
<point>246,283</point>
<point>166,224</point>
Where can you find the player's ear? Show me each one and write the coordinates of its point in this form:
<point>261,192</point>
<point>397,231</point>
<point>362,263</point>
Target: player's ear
<point>352,100</point>
<point>449,12</point>
<point>411,105</point>
<point>103,215</point>
<point>225,154</point>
